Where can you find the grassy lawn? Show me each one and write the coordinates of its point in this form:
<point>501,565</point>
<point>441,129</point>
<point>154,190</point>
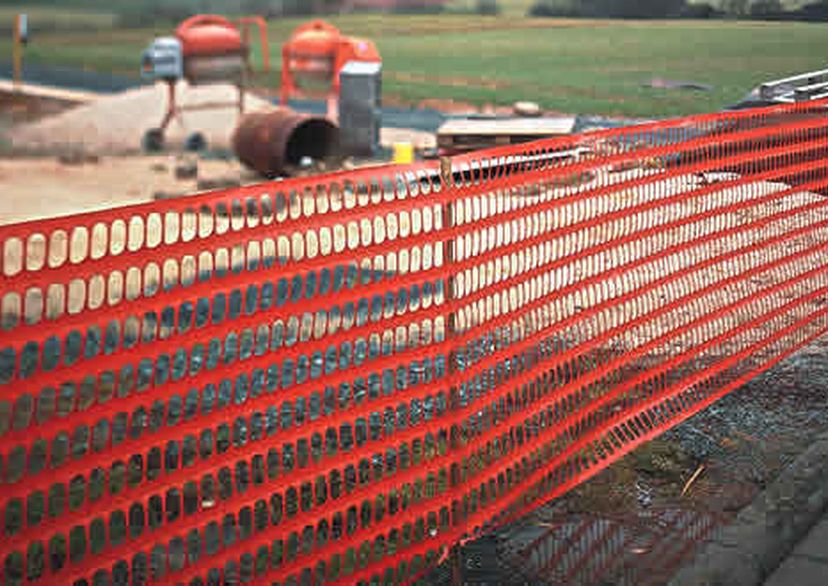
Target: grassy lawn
<point>55,20</point>
<point>577,66</point>
<point>507,7</point>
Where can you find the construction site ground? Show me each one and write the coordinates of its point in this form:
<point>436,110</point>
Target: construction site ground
<point>60,157</point>
<point>646,517</point>
<point>779,538</point>
<point>42,187</point>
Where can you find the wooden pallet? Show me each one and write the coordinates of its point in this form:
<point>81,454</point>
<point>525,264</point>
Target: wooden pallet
<point>468,134</point>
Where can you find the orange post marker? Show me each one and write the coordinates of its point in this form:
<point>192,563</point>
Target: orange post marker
<point>17,56</point>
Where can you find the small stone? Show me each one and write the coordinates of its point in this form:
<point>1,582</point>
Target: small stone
<point>159,195</point>
<point>218,183</point>
<point>74,158</point>
<point>186,168</point>
<point>528,109</point>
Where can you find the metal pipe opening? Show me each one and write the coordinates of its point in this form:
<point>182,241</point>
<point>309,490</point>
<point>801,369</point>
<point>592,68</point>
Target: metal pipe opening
<point>284,142</point>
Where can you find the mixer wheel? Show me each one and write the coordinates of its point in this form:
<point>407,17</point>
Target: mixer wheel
<point>195,142</point>
<point>153,140</point>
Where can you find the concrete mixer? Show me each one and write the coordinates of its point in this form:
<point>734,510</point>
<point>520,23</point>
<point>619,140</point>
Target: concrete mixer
<point>313,58</point>
<point>206,49</point>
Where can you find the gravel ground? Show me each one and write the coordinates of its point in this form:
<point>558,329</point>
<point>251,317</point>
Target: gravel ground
<point>631,525</point>
<point>751,434</point>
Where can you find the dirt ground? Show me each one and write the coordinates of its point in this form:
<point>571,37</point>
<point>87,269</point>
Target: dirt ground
<point>44,187</point>
<point>62,184</point>
<point>116,123</point>
<point>83,152</point>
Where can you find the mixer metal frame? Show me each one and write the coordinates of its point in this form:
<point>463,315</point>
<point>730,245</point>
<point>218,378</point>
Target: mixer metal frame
<point>174,110</point>
<point>154,138</point>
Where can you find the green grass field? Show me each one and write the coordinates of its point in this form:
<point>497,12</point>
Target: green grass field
<point>574,66</point>
<point>52,20</point>
<point>507,7</point>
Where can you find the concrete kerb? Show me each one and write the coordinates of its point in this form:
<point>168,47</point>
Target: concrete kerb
<point>747,551</point>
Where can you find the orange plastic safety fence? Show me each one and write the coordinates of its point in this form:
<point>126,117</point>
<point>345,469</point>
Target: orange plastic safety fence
<point>335,379</point>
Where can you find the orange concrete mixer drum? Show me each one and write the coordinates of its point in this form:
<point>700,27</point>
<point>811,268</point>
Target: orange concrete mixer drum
<point>315,53</point>
<point>213,50</point>
<point>311,51</point>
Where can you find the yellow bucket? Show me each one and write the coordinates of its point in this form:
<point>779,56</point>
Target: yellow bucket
<point>403,153</point>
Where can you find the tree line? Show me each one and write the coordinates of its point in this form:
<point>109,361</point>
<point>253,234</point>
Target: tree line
<point>132,13</point>
<point>816,10</point>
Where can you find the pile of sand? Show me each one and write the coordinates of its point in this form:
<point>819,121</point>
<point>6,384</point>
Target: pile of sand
<point>115,124</point>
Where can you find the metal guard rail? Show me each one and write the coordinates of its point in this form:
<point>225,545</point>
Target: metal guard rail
<point>336,379</point>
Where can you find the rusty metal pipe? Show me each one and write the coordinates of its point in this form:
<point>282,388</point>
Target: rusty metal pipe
<point>276,142</point>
